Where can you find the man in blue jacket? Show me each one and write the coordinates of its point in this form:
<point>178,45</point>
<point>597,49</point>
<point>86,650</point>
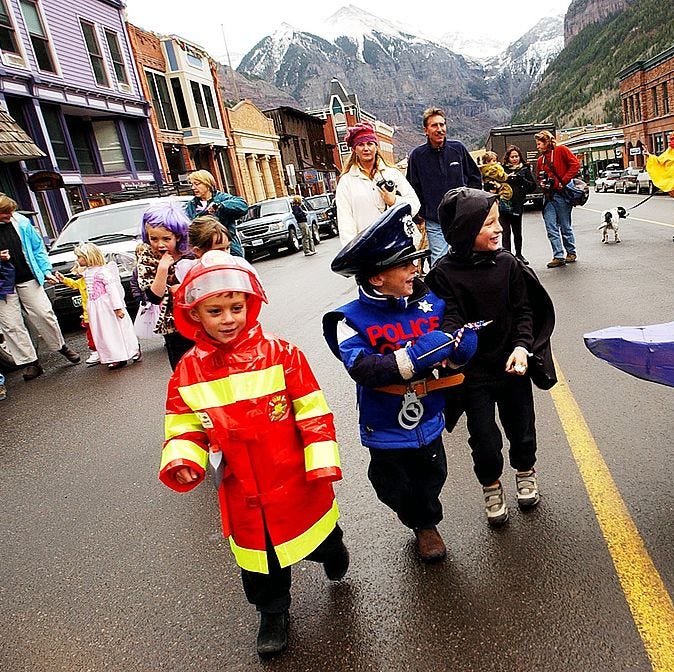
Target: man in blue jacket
<point>21,245</point>
<point>388,340</point>
<point>436,167</point>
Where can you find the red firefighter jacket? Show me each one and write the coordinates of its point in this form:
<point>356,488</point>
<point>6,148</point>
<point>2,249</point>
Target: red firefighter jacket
<point>259,407</point>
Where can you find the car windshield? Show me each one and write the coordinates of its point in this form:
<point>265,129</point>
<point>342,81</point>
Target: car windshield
<point>612,174</point>
<point>266,208</point>
<point>101,226</point>
<point>318,202</point>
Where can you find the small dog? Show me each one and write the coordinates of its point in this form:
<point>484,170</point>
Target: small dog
<point>610,223</point>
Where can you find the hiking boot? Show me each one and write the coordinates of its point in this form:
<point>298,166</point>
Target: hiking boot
<point>336,566</point>
<point>495,504</point>
<point>430,545</point>
<point>70,355</point>
<point>272,637</point>
<point>556,263</point>
<point>570,258</point>
<point>527,489</point>
<point>93,359</point>
<point>32,371</point>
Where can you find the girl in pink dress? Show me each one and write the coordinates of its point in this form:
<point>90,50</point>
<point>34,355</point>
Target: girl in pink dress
<point>111,326</point>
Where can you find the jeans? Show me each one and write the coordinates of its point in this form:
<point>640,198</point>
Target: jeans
<point>557,218</point>
<point>436,241</point>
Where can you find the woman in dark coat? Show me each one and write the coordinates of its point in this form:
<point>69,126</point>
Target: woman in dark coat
<point>209,201</point>
<point>522,182</point>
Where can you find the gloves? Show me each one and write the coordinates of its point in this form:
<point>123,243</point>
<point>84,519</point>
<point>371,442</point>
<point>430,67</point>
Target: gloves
<point>436,346</point>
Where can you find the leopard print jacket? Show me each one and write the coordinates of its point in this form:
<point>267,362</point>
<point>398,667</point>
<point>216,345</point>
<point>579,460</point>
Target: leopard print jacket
<point>147,270</point>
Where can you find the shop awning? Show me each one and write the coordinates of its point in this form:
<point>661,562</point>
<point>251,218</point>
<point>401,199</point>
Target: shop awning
<point>15,144</point>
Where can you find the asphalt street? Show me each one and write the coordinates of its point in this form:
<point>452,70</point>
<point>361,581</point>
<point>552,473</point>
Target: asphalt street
<point>103,568</point>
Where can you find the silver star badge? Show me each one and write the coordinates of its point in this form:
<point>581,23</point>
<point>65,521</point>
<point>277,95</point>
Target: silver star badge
<point>425,306</point>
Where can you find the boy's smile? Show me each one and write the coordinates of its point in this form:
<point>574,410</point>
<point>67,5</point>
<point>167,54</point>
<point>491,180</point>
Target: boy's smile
<point>489,237</point>
<point>223,316</point>
<point>397,281</point>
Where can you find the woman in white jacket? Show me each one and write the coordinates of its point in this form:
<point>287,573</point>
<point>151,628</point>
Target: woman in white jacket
<point>368,185</point>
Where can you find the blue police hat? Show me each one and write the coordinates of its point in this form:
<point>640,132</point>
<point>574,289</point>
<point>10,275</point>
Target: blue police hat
<point>387,242</point>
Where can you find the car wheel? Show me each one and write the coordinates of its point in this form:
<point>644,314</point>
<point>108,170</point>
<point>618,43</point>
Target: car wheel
<point>316,234</point>
<point>334,231</point>
<point>293,241</point>
<point>651,188</point>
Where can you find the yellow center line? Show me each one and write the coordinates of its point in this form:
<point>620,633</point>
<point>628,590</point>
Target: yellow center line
<point>645,592</point>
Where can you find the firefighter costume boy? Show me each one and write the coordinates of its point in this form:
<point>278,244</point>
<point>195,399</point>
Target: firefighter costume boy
<point>248,404</point>
<point>388,340</point>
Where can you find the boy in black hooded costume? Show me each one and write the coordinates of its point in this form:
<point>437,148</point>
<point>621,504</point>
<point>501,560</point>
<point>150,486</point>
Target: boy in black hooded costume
<point>479,280</point>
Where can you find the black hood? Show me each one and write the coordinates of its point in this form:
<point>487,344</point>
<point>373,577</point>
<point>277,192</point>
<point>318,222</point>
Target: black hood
<point>462,213</point>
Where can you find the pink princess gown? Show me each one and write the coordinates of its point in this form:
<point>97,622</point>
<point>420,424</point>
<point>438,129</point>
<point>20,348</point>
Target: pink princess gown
<point>115,339</point>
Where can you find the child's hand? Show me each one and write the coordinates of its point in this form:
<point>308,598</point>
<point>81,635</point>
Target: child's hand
<point>186,475</point>
<point>517,362</point>
<point>165,262</point>
<point>120,313</point>
<point>59,276</point>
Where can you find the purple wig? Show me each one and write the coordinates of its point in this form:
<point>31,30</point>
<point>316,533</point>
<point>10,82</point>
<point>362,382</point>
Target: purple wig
<point>170,216</point>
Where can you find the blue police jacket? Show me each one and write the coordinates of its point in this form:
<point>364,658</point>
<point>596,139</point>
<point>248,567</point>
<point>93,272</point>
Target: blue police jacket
<point>364,334</point>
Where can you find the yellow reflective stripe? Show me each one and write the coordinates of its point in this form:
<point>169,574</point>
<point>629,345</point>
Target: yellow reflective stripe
<point>311,405</point>
<point>247,558</point>
<point>321,454</point>
<point>179,449</point>
<point>181,423</point>
<point>294,550</point>
<point>237,387</point>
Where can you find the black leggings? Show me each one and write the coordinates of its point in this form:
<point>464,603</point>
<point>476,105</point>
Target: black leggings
<point>512,226</point>
<point>176,346</point>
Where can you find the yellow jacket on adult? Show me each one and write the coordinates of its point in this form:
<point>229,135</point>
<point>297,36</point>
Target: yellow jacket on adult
<point>661,170</point>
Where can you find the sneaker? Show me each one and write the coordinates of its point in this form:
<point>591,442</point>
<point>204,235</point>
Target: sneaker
<point>138,357</point>
<point>335,567</point>
<point>527,489</point>
<point>309,254</point>
<point>116,365</point>
<point>556,263</point>
<point>570,258</point>
<point>70,355</point>
<point>93,359</point>
<point>3,390</point>
<point>32,371</point>
<point>272,637</point>
<point>495,504</point>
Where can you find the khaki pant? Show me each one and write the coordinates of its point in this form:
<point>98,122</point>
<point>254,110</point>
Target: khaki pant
<point>39,311</point>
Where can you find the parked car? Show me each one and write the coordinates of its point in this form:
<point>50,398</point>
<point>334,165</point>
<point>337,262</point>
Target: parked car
<point>270,226</point>
<point>606,180</point>
<point>644,183</point>
<point>627,181</point>
<point>116,230</point>
<point>326,213</point>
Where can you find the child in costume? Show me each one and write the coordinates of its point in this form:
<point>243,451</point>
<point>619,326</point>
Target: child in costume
<point>111,327</point>
<point>661,168</point>
<point>248,404</point>
<point>389,341</point>
<point>79,284</point>
<point>164,232</point>
<point>479,279</point>
<point>494,177</point>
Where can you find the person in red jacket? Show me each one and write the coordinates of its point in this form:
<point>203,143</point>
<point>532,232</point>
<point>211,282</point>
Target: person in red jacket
<point>555,168</point>
<point>248,404</point>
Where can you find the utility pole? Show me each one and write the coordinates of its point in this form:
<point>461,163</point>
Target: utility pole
<point>229,63</point>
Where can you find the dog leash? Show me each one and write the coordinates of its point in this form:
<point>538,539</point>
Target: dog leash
<point>640,202</point>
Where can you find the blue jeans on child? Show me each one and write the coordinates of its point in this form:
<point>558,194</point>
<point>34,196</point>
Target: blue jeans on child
<point>557,218</point>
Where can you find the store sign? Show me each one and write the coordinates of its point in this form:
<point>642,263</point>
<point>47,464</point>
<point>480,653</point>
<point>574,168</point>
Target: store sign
<point>45,180</point>
<point>635,151</point>
<point>310,176</point>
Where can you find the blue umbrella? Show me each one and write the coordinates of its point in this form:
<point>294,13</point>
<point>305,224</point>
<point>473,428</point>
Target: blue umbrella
<point>644,352</point>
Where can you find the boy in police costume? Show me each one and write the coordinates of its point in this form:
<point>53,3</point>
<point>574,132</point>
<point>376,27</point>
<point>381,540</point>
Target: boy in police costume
<point>388,340</point>
<point>248,404</point>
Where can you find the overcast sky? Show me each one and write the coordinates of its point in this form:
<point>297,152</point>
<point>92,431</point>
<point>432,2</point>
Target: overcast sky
<point>245,22</point>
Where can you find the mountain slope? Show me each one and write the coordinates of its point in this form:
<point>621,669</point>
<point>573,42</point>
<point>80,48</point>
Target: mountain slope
<point>580,86</point>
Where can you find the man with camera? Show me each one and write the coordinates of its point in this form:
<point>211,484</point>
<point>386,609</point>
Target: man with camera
<point>436,167</point>
<point>555,168</point>
<point>368,186</point>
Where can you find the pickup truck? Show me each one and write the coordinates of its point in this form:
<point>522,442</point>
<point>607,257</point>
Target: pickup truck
<point>270,226</point>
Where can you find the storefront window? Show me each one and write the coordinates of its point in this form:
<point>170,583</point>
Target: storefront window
<point>109,146</point>
<point>133,135</point>
<point>80,140</point>
<point>52,120</point>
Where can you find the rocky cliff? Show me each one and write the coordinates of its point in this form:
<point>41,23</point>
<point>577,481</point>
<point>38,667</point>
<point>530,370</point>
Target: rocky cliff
<point>582,13</point>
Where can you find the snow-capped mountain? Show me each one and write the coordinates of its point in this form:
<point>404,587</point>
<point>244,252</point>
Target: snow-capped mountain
<point>477,47</point>
<point>396,73</point>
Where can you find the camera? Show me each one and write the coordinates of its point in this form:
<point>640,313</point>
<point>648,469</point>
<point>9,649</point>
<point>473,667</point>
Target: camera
<point>389,185</point>
<point>546,182</point>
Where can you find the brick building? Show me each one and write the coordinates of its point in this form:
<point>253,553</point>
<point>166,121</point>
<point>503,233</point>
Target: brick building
<point>647,100</point>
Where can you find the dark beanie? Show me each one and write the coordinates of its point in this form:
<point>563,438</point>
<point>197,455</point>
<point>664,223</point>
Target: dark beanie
<point>461,214</point>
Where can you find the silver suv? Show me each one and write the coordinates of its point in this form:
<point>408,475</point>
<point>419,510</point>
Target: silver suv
<point>270,226</point>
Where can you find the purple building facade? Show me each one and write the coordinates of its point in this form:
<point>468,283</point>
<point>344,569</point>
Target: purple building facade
<point>68,78</point>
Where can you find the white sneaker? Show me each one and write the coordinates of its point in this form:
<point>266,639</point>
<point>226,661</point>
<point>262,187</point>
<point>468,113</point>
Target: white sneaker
<point>528,494</point>
<point>495,504</point>
<point>93,359</point>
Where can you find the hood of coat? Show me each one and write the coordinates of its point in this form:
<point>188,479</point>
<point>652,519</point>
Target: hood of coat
<point>462,213</point>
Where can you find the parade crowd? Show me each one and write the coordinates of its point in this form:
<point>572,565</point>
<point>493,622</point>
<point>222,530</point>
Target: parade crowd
<point>467,336</point>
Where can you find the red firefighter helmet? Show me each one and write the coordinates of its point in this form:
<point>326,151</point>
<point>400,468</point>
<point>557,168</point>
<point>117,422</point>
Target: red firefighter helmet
<point>216,272</point>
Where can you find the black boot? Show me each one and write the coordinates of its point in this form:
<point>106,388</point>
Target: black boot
<point>335,567</point>
<point>272,637</point>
